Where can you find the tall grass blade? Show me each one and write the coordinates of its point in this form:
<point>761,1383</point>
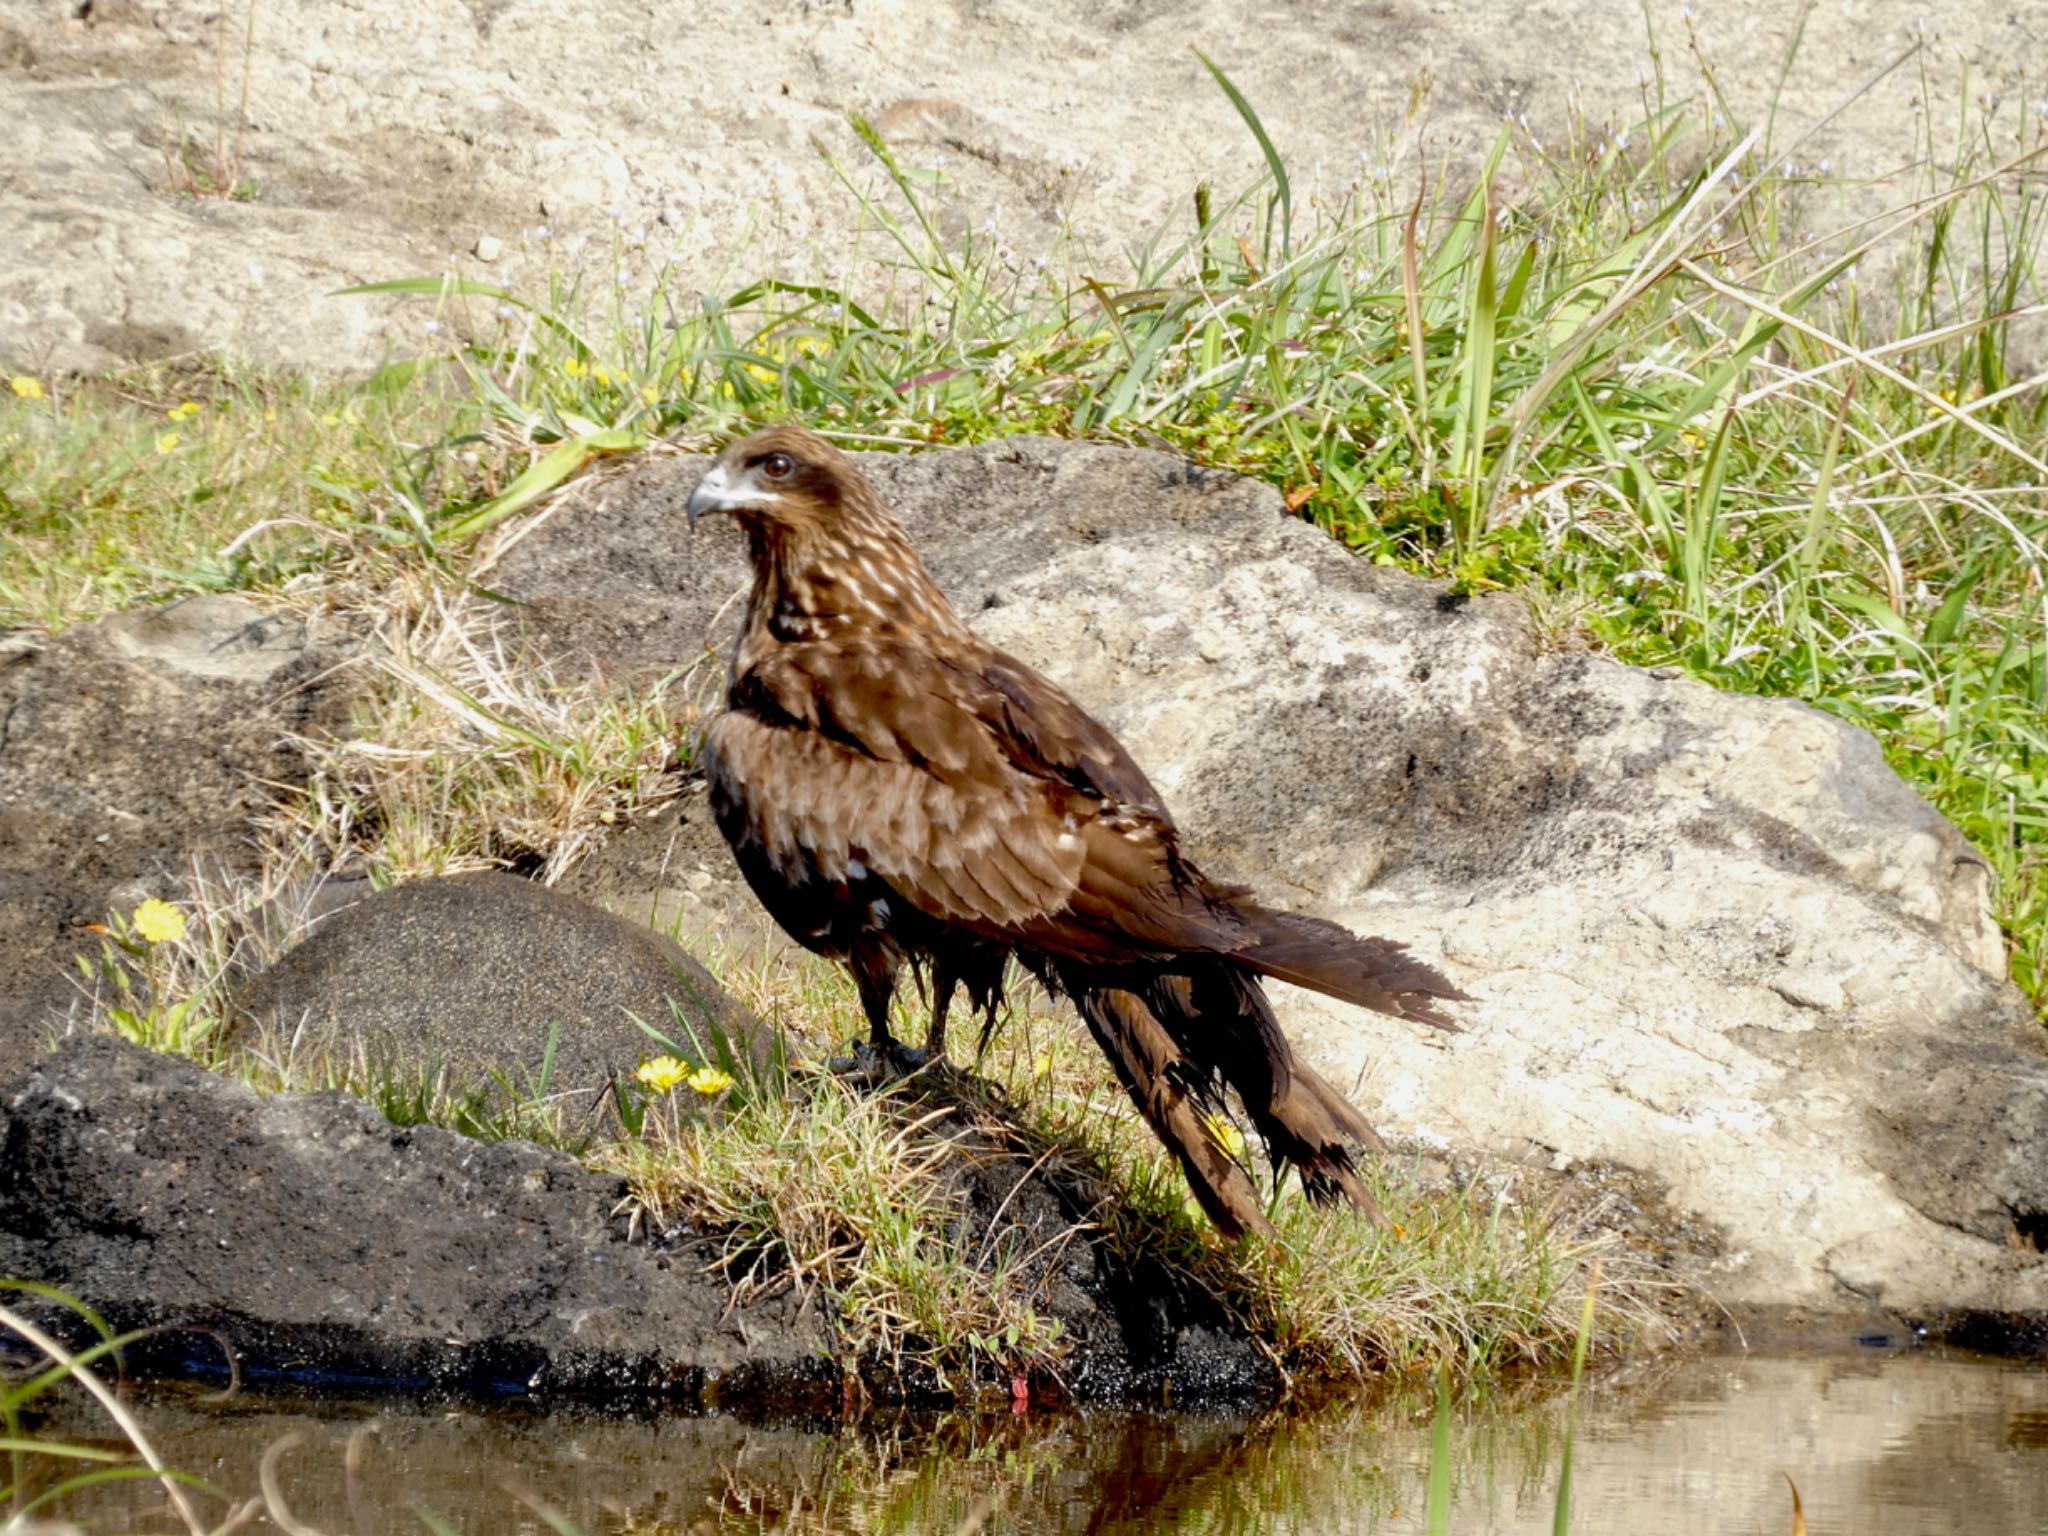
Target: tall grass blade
<point>1282,191</point>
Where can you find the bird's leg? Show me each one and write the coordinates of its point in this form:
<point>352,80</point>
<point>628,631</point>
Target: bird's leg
<point>875,978</point>
<point>945,976</point>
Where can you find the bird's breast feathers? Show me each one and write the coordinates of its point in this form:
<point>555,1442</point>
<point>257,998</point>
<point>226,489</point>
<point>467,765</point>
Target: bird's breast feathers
<point>993,853</point>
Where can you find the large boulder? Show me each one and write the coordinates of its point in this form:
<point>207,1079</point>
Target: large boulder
<point>128,750</point>
<point>1710,938</point>
<point>478,976</point>
<point>146,212</point>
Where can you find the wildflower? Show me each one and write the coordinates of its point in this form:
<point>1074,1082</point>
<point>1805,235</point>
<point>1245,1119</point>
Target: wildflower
<point>159,922</point>
<point>662,1073</point>
<point>26,387</point>
<point>331,419</point>
<point>168,442</point>
<point>602,375</point>
<point>185,410</point>
<point>1692,439</point>
<point>649,394</point>
<point>433,327</point>
<point>575,368</point>
<point>1226,1135</point>
<point>1041,1064</point>
<point>709,1081</point>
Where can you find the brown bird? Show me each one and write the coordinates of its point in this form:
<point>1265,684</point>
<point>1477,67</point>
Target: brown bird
<point>895,789</point>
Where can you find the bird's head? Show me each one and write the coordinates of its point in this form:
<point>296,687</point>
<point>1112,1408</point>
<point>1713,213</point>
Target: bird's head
<point>783,477</point>
<point>829,557</point>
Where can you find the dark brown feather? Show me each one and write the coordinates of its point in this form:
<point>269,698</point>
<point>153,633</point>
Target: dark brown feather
<point>895,789</point>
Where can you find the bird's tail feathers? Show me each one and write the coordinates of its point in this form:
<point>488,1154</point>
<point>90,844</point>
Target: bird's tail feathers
<point>1370,972</point>
<point>1223,1018</point>
<point>1168,1090</point>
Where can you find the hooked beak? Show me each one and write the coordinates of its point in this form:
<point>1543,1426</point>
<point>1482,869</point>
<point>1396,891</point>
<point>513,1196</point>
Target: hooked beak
<point>708,495</point>
<point>718,491</point>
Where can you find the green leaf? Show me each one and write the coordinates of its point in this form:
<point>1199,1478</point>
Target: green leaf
<point>544,474</point>
<point>1941,628</point>
<point>1273,161</point>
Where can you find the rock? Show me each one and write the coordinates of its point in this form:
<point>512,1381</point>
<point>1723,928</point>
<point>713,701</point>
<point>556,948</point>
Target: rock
<point>1710,938</point>
<point>129,749</point>
<point>475,972</point>
<point>377,138</point>
<point>322,1244</point>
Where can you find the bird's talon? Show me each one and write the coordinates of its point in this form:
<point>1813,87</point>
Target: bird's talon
<point>873,1065</point>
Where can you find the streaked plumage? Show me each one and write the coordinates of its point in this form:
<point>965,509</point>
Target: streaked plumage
<point>895,789</point>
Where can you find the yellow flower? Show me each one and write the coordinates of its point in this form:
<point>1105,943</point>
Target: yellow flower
<point>168,442</point>
<point>1226,1135</point>
<point>1041,1066</point>
<point>602,375</point>
<point>575,368</point>
<point>649,393</point>
<point>662,1073</point>
<point>159,922</point>
<point>1692,439</point>
<point>331,419</point>
<point>26,387</point>
<point>184,411</point>
<point>709,1081</point>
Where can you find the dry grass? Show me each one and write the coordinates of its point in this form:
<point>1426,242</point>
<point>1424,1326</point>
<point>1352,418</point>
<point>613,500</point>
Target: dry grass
<point>471,753</point>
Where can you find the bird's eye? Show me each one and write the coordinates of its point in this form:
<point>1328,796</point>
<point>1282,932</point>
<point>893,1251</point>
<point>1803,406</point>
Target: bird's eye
<point>778,466</point>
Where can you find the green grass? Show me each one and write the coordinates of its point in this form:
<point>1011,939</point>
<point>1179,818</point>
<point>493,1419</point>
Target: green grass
<point>859,1193</point>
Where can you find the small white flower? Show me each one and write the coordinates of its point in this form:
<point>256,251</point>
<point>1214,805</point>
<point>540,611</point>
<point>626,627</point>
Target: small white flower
<point>433,327</point>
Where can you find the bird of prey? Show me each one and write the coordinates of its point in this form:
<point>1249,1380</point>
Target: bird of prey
<point>897,790</point>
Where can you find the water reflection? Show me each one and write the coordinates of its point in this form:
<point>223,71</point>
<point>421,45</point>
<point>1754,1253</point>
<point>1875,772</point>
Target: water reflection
<point>1878,1446</point>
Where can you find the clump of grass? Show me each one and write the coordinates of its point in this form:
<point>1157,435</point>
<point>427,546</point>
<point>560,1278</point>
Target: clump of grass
<point>859,1193</point>
<point>825,1186</point>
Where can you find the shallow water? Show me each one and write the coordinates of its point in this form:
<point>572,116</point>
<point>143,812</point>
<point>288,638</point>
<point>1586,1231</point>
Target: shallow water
<point>1879,1445</point>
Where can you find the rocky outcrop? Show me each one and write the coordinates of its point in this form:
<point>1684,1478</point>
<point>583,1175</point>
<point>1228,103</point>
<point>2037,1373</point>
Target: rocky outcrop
<point>319,1243</point>
<point>506,987</point>
<point>128,749</point>
<point>1710,938</point>
<point>147,213</point>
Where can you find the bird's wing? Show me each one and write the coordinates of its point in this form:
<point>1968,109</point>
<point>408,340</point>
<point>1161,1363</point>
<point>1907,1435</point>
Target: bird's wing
<point>975,788</point>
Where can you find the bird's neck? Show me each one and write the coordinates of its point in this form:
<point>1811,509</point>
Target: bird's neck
<point>846,585</point>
